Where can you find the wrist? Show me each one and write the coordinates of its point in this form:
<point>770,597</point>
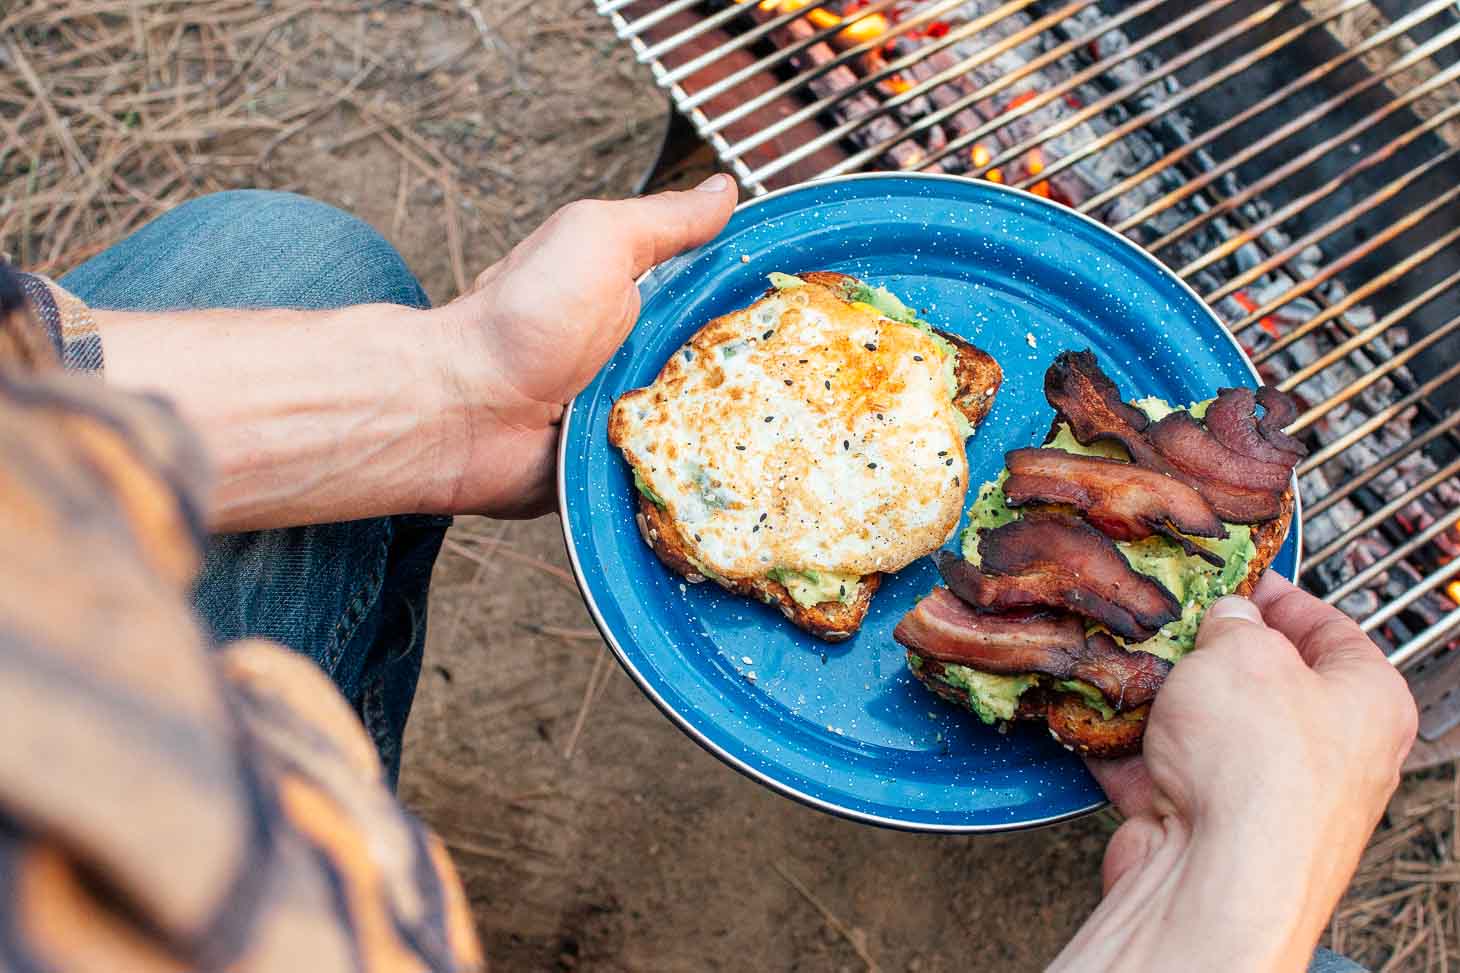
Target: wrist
<point>1217,899</point>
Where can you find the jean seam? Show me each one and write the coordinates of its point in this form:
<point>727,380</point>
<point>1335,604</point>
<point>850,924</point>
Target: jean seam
<point>365,596</point>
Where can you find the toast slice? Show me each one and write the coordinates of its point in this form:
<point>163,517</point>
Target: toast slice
<point>977,376</point>
<point>1071,720</point>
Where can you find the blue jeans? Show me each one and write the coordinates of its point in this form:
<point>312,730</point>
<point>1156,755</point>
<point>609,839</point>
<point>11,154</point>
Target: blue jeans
<point>351,596</point>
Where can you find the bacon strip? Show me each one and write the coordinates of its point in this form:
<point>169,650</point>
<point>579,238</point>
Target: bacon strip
<point>1240,488</point>
<point>1232,419</point>
<point>1055,561</point>
<point>1279,412</point>
<point>943,628</point>
<point>1125,501</point>
<point>1091,405</point>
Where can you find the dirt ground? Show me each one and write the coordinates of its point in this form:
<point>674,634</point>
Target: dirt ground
<point>591,833</point>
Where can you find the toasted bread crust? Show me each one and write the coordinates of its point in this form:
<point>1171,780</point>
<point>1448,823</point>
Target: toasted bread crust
<point>1072,721</point>
<point>978,377</point>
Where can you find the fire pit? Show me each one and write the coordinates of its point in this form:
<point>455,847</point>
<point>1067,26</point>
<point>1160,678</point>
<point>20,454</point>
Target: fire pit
<point>1305,187</point>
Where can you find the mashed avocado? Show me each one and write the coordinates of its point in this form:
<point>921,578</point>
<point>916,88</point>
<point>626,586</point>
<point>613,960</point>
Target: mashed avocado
<point>814,587</point>
<point>644,488</point>
<point>1194,582</point>
<point>993,698</point>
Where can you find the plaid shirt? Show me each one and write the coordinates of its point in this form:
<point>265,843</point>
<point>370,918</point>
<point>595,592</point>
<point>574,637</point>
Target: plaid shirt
<point>164,807</point>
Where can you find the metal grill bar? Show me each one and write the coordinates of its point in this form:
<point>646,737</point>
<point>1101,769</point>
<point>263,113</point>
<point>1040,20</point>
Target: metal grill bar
<point>1181,153</point>
<point>1361,338</point>
<point>1032,66</point>
<point>1382,514</point>
<point>815,108</point>
<point>1425,586</point>
<point>786,53</point>
<point>982,57</point>
<point>1283,214</point>
<point>1368,426</point>
<point>1364,479</point>
<point>1189,92</point>
<point>1168,69</point>
<point>1302,161</point>
<point>1389,560</point>
<point>780,104</point>
<point>1392,365</point>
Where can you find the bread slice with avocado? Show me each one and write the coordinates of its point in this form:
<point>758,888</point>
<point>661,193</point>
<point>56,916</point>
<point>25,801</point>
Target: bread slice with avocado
<point>795,451</point>
<point>1096,641</point>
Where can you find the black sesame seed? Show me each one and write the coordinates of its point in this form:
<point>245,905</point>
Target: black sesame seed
<point>949,462</point>
<point>917,357</point>
<point>740,447</point>
<point>763,517</point>
<point>846,444</point>
<point>844,591</point>
<point>871,466</point>
<point>770,418</point>
<point>802,361</point>
<point>942,452</point>
<point>787,381</point>
<point>879,415</point>
<point>828,383</point>
<point>766,335</point>
<point>755,528</point>
<point>870,347</point>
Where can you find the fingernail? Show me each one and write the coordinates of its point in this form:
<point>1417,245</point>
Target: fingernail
<point>1234,607</point>
<point>717,183</point>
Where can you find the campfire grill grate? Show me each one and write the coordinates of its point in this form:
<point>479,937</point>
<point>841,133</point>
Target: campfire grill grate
<point>1304,185</point>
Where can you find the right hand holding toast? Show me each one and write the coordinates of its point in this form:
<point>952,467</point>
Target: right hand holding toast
<point>1271,753</point>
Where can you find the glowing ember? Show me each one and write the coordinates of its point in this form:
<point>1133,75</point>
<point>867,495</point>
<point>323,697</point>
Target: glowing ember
<point>994,175</point>
<point>898,84</point>
<point>866,29</point>
<point>1453,590</point>
<point>980,155</point>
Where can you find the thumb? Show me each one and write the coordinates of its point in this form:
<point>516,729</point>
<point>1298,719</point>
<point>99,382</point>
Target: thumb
<point>1229,618</point>
<point>667,224</point>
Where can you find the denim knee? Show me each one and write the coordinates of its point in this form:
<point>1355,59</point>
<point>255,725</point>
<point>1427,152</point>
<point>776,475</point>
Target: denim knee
<point>248,248</point>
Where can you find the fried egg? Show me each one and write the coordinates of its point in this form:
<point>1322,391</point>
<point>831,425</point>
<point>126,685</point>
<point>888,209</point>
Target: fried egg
<point>803,434</point>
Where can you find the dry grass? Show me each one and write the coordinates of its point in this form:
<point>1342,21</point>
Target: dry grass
<point>112,111</point>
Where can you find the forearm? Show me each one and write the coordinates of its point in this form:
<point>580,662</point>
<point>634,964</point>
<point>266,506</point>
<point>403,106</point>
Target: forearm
<point>307,416</point>
<point>1210,902</point>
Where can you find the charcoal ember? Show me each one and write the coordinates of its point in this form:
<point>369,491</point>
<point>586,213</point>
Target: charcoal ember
<point>1360,603</point>
<point>839,81</point>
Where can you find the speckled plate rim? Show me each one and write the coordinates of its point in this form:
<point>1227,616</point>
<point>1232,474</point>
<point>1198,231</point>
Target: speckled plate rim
<point>1295,531</point>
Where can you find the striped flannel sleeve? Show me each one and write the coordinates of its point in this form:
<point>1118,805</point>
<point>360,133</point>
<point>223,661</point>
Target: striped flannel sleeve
<point>68,323</point>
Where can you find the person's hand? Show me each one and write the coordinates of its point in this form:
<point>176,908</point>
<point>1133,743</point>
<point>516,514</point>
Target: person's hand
<point>537,326</point>
<point>1270,755</point>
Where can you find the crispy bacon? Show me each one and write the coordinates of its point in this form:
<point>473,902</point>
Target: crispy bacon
<point>1125,501</point>
<point>1088,401</point>
<point>1056,561</point>
<point>943,628</point>
<point>1279,410</point>
<point>1240,488</point>
<point>1232,420</point>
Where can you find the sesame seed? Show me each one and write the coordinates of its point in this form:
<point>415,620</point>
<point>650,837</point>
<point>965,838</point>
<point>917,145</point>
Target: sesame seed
<point>917,357</point>
<point>766,335</point>
<point>763,517</point>
<point>942,452</point>
<point>879,415</point>
<point>846,444</point>
<point>740,447</point>
<point>844,591</point>
<point>755,528</point>
<point>770,418</point>
<point>828,383</point>
<point>697,537</point>
<point>949,462</point>
<point>870,347</point>
<point>787,381</point>
<point>802,361</point>
<point>871,466</point>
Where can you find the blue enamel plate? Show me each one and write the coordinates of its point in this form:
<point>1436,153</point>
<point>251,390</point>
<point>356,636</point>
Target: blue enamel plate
<point>844,727</point>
